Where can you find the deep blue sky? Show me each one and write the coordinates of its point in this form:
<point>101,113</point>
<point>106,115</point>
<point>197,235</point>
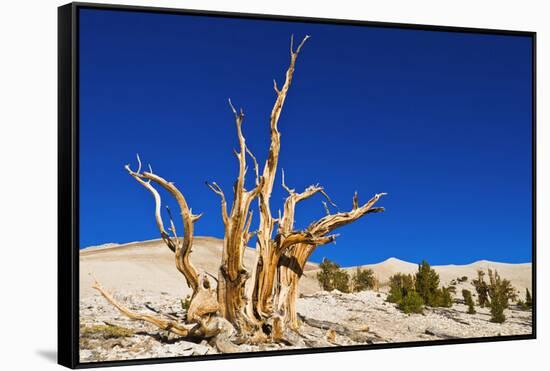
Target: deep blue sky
<point>440,121</point>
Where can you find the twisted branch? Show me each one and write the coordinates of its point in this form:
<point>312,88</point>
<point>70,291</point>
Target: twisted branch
<point>161,323</point>
<point>267,264</point>
<point>217,189</point>
<point>183,249</point>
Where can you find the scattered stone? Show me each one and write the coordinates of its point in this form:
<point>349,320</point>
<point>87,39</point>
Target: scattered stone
<point>337,328</point>
<point>327,320</point>
<point>439,334</point>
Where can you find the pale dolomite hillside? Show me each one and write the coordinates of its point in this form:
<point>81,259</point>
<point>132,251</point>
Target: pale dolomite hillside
<point>143,276</point>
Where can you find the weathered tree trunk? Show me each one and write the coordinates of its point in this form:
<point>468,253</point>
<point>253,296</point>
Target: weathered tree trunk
<point>290,271</point>
<point>292,264</point>
<point>232,275</point>
<point>265,309</point>
<point>268,251</point>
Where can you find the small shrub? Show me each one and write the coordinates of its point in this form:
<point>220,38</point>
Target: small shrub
<point>502,286</point>
<point>500,291</point>
<point>400,285</point>
<point>411,303</point>
<point>341,281</point>
<point>427,283</point>
<point>482,289</point>
<point>332,277</point>
<point>444,298</point>
<point>462,279</point>
<point>467,295</point>
<point>521,305</point>
<point>363,279</point>
<point>325,275</point>
<point>403,293</point>
<point>497,313</point>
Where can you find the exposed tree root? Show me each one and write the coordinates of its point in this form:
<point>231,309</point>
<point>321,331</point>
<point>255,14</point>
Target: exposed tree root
<point>161,323</point>
<point>213,328</point>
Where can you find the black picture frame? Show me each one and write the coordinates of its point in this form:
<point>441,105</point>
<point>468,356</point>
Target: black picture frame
<point>68,183</point>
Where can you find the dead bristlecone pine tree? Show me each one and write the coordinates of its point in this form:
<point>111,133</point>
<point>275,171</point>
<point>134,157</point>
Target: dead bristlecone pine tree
<point>243,306</point>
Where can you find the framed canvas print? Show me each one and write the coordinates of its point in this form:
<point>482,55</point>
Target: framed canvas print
<point>240,185</point>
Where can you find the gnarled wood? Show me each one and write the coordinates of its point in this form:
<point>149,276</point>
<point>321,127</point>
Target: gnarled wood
<point>291,266</point>
<point>217,329</point>
<point>265,310</point>
<point>181,248</point>
<point>161,323</point>
<point>267,254</point>
<point>232,273</point>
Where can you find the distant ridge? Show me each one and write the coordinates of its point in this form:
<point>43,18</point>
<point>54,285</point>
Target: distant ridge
<point>520,274</point>
<point>391,261</point>
<point>103,246</point>
<point>150,265</point>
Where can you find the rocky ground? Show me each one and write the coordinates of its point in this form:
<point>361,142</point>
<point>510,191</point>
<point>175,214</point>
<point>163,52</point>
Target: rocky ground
<point>328,319</point>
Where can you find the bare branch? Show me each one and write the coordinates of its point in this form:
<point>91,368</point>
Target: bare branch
<point>301,44</point>
<point>161,323</point>
<point>158,217</point>
<point>153,309</point>
<point>217,189</point>
<point>172,226</point>
<point>330,222</point>
<point>322,191</point>
<point>195,217</point>
<point>275,87</point>
<point>376,210</point>
<point>139,163</point>
<point>305,238</point>
<point>326,207</point>
<point>182,250</point>
<point>317,233</point>
<point>247,235</point>
<point>232,107</point>
<point>256,167</point>
<point>273,156</point>
<point>202,311</point>
<point>290,191</point>
<point>286,224</point>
